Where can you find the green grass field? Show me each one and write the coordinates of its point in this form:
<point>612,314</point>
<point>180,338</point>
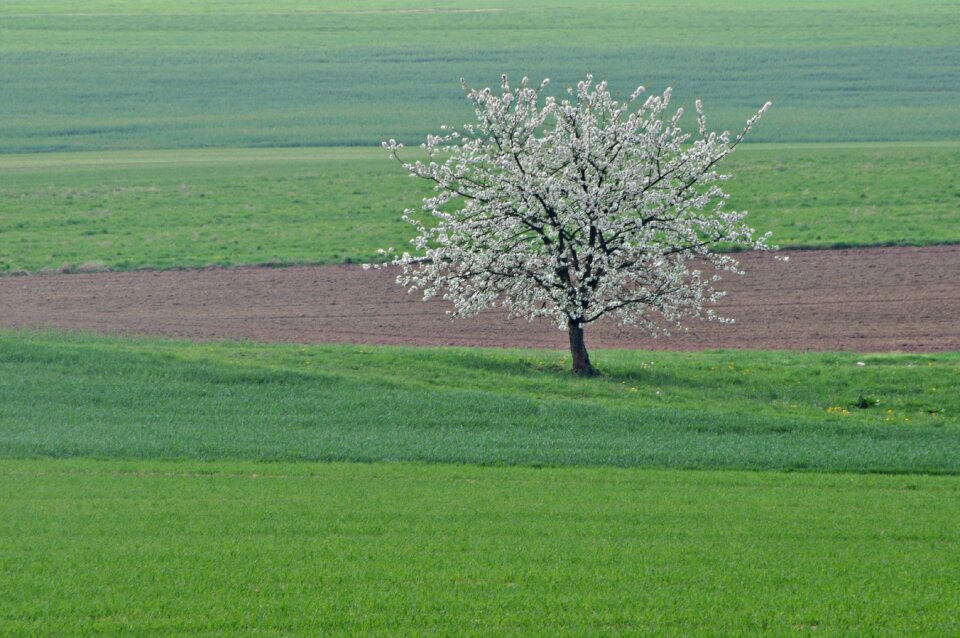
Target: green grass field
<point>138,75</point>
<point>142,74</point>
<point>184,515</point>
<point>181,513</point>
<point>102,397</point>
<point>201,549</point>
<point>149,209</point>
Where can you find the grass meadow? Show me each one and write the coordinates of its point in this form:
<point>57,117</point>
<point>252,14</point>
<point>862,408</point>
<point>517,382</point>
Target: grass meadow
<point>169,488</point>
<point>239,548</point>
<point>125,210</point>
<point>160,487</point>
<point>101,397</point>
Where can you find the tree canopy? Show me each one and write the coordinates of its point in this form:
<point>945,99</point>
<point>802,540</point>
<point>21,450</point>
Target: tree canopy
<point>575,209</point>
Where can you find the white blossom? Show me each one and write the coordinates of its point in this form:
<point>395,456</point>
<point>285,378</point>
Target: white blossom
<point>575,209</point>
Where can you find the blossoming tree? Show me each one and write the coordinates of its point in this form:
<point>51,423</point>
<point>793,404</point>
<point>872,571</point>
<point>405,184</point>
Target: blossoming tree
<point>575,209</point>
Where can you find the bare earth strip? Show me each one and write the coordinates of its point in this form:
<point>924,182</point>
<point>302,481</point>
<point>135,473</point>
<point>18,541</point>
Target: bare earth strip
<point>868,300</point>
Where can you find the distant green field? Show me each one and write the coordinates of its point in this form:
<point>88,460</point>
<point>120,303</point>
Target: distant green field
<point>125,210</point>
<point>195,208</point>
<point>106,74</point>
<point>100,397</point>
<point>203,549</point>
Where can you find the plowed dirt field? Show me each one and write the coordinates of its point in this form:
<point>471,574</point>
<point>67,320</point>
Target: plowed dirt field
<point>878,299</point>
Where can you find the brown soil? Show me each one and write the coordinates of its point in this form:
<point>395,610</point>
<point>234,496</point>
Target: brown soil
<point>879,299</point>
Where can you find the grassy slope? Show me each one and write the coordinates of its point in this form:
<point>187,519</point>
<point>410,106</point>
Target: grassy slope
<point>191,208</point>
<point>302,549</point>
<point>259,73</point>
<point>101,397</point>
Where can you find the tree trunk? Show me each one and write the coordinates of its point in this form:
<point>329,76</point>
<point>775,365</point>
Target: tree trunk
<point>581,360</point>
